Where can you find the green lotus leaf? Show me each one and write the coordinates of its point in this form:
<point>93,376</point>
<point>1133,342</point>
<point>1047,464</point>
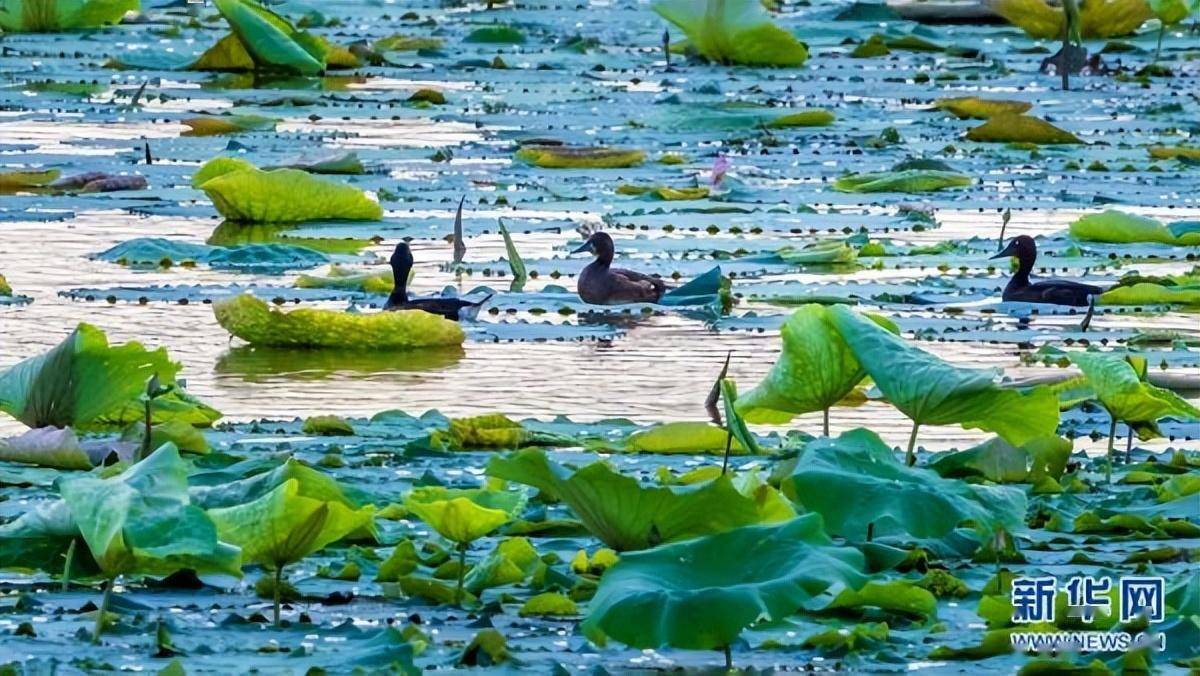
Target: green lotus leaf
<point>271,40</point>
<point>1020,129</point>
<point>733,421</point>
<point>402,562</point>
<point>491,430</point>
<point>1128,397</point>
<point>327,426</point>
<point>341,278</point>
<point>181,433</point>
<point>83,382</point>
<point>464,515</point>
<point>248,194</point>
<point>998,461</point>
<point>816,369</point>
<point>1150,294</point>
<point>897,596</point>
<point>890,497</point>
<point>858,637</point>
<point>47,447</point>
<point>277,236</point>
<point>402,43</point>
<point>284,526</point>
<point>621,512</point>
<point>515,263</point>
<point>580,157</point>
<point>228,54</point>
<point>496,35</point>
<point>1118,227</point>
<point>931,391</point>
<point>142,521</point>
<point>5,289</point>
<point>907,181</point>
<point>227,124</point>
<point>40,538</point>
<point>681,437</point>
<point>548,604</point>
<point>51,16</point>
<point>1174,152</point>
<point>664,192</point>
<point>255,322</point>
<point>816,117</point>
<point>975,108</point>
<point>311,483</point>
<point>819,253</point>
<point>702,593</point>
<point>733,32</point>
<point>1097,18</point>
<point>17,180</point>
<point>1170,12</point>
<point>512,561</point>
<point>219,166</point>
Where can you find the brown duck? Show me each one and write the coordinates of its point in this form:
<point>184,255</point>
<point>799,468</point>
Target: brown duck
<point>602,284</point>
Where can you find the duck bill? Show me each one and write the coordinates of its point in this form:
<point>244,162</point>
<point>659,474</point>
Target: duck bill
<point>587,246</point>
<point>1007,253</point>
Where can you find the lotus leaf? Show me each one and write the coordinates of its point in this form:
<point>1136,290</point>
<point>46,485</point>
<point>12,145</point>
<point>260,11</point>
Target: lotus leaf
<point>5,289</point>
<point>402,43</point>
<point>327,426</point>
<point>998,461</point>
<point>897,596</point>
<point>1097,18</point>
<point>908,181</point>
<point>283,525</point>
<point>1164,153</point>
<point>733,421</point>
<point>622,513</point>
<point>1008,128</point>
<point>181,433</point>
<point>1128,397</point>
<point>931,391</point>
<point>464,515</point>
<point>232,235</point>
<point>310,482</point>
<point>1170,12</point>
<point>47,447</point>
<point>230,124</point>
<point>271,40</point>
<point>49,16</point>
<point>548,604</point>
<point>83,383</point>
<point>219,166</point>
<point>711,289</point>
<point>858,637</point>
<point>702,593</point>
<point>491,430</point>
<point>255,322</point>
<point>510,562</point>
<point>17,180</point>
<point>228,54</point>
<point>815,370</point>
<point>515,263</point>
<point>1150,294</point>
<point>817,117</point>
<point>856,484</point>
<point>1118,227</point>
<point>681,437</point>
<point>733,32</point>
<point>580,157</point>
<point>664,192</point>
<point>975,108</point>
<point>402,562</point>
<point>818,253</point>
<point>341,278</point>
<point>282,195</point>
<point>496,35</point>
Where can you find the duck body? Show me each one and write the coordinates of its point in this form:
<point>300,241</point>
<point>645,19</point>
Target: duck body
<point>1053,291</point>
<point>454,309</point>
<point>601,284</point>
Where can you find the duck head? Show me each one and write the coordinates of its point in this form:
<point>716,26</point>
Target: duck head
<point>1022,247</point>
<point>402,257</point>
<point>402,262</point>
<point>599,244</point>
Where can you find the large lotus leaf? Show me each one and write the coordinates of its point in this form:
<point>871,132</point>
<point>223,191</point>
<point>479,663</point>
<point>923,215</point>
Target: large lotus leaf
<point>702,593</point>
<point>277,236</point>
<point>1097,18</point>
<point>255,322</point>
<point>464,515</point>
<point>491,430</point>
<point>1170,12</point>
<point>270,40</point>
<point>84,382</point>
<point>39,540</point>
<point>47,16</point>
<point>621,512</point>
<point>282,195</point>
<point>580,157</point>
<point>681,437</point>
<point>856,481</point>
<point>1118,227</point>
<point>283,526</point>
<point>1007,128</point>
<point>815,369</point>
<point>931,391</point>
<point>1150,294</point>
<point>228,54</point>
<point>998,461</point>
<point>975,108</point>
<point>141,521</point>
<point>908,180</point>
<point>60,448</point>
<point>310,482</point>
<point>1174,152</point>
<point>733,32</point>
<point>1129,398</point>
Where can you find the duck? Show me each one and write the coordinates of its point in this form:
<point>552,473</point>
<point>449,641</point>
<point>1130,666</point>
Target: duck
<point>602,284</point>
<point>453,309</point>
<point>1052,291</point>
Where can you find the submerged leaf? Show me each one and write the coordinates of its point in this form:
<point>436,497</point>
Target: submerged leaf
<point>257,323</point>
<point>733,32</point>
<point>702,593</point>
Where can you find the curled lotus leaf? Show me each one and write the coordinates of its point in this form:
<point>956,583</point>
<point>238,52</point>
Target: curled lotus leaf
<point>1127,396</point>
<point>975,108</point>
<point>700,594</point>
<point>580,157</point>
<point>1008,128</point>
<point>241,192</point>
<point>255,322</point>
<point>270,40</point>
<point>733,32</point>
<point>464,515</point>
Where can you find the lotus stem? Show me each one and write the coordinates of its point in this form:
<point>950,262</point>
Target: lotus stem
<point>728,657</point>
<point>149,158</point>
<point>66,575</point>
<point>728,447</point>
<point>911,457</point>
<point>1112,432</point>
<point>462,572</point>
<point>1129,445</point>
<point>667,47</point>
<point>825,422</point>
<point>104,599</point>
<point>275,592</point>
<point>149,429</point>
<point>870,531</point>
<point>1162,28</point>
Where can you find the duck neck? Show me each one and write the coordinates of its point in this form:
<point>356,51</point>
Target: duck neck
<point>1024,267</point>
<point>604,258</point>
<point>399,284</point>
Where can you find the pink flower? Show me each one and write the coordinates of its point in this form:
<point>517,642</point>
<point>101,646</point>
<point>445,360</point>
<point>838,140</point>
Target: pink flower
<point>720,166</point>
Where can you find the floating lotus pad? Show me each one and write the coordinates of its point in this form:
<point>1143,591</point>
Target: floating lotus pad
<point>702,593</point>
<point>908,181</point>
<point>242,192</point>
<point>255,322</point>
<point>580,157</point>
<point>16,180</point>
<point>227,124</point>
<point>817,117</point>
<point>50,16</point>
<point>664,192</point>
<point>975,108</point>
<point>1150,294</point>
<point>1097,18</point>
<point>1157,152</point>
<point>1118,227</point>
<point>1007,128</point>
<point>733,32</point>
